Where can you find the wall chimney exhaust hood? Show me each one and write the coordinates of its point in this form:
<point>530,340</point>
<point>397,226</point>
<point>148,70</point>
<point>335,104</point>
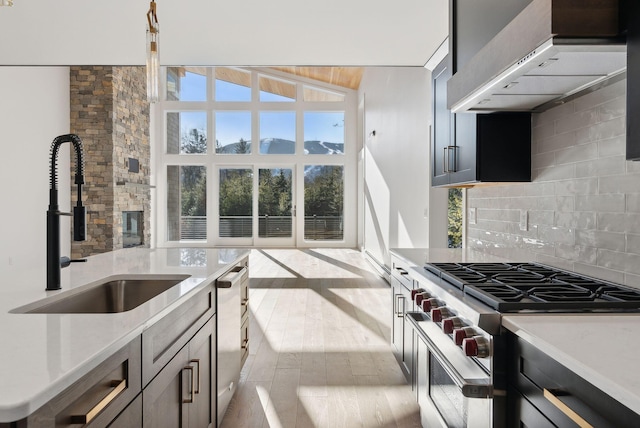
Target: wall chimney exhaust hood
<point>552,50</point>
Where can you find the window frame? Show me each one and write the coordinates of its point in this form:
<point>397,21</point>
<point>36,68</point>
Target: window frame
<point>212,160</point>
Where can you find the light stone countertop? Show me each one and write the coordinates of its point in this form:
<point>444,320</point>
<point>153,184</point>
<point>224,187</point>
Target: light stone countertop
<point>42,354</point>
<point>601,348</point>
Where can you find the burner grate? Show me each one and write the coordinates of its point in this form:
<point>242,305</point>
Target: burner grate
<point>512,287</point>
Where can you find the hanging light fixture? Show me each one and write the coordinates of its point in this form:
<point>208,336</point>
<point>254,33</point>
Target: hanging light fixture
<point>6,2</point>
<point>153,60</point>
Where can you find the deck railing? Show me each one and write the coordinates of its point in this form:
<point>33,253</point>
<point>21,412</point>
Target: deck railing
<point>316,228</point>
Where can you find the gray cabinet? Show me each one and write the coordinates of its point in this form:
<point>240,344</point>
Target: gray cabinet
<point>131,416</point>
<point>401,338</point>
<point>631,14</point>
<point>181,393</point>
<point>469,148</point>
<point>97,398</point>
<point>543,391</point>
<point>178,365</point>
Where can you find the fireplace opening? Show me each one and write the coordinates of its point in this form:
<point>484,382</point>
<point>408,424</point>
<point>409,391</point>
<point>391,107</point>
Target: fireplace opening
<point>132,228</point>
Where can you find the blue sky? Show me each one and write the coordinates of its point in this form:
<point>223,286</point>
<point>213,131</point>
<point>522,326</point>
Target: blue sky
<point>231,126</point>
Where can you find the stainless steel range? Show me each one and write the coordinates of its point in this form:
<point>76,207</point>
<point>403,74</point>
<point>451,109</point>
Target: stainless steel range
<point>459,362</point>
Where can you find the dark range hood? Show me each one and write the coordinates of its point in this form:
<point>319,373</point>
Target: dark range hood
<point>552,50</point>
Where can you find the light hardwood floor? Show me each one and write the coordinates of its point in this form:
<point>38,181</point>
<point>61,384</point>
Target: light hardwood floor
<point>320,352</point>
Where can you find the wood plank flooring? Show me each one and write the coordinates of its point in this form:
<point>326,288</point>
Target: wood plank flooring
<point>319,346</point>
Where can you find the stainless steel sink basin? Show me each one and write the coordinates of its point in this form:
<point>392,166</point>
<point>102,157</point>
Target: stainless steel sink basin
<point>114,295</point>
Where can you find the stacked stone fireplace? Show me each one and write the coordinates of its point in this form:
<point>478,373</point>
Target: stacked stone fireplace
<point>110,112</point>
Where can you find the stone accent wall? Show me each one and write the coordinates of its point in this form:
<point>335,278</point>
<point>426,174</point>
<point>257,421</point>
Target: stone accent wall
<point>583,203</point>
<point>110,113</point>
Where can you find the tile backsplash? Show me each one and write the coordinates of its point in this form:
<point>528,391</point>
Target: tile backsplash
<point>582,209</point>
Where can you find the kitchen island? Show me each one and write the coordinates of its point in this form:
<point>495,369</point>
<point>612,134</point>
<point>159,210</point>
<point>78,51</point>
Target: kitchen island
<point>43,354</point>
<point>599,347</point>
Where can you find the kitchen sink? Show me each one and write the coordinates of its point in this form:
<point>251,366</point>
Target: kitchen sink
<point>116,294</point>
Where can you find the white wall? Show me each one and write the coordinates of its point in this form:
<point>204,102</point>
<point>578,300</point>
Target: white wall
<point>34,109</point>
<point>399,203</point>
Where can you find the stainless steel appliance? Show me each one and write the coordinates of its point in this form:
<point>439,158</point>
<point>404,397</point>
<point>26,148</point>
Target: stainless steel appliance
<point>232,300</point>
<point>459,348</point>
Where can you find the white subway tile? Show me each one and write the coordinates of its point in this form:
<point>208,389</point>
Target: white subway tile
<point>613,146</point>
<point>542,160</point>
<point>628,183</point>
<point>577,253</point>
<point>619,261</point>
<point>542,131</point>
<point>631,280</point>
<point>575,220</point>
<point>577,153</point>
<point>601,131</point>
<point>599,272</point>
<point>601,96</point>
<point>599,239</point>
<point>582,186</point>
<point>601,167</point>
<point>538,217</point>
<point>558,142</point>
<point>617,107</point>
<point>619,222</point>
<point>600,203</point>
<point>576,121</point>
<point>560,172</point>
<point>633,243</point>
<point>557,235</point>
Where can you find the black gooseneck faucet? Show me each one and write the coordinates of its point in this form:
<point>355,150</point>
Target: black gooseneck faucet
<point>54,262</point>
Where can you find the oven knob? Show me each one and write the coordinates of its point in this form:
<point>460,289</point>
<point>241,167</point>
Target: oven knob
<point>476,346</point>
<point>420,297</point>
<point>437,314</point>
<point>450,324</point>
<point>459,334</point>
<point>428,304</point>
<point>416,291</point>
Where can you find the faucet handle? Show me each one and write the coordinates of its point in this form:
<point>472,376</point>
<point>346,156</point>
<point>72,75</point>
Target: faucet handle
<point>66,261</point>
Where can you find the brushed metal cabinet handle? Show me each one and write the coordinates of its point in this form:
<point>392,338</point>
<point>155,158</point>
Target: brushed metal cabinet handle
<point>445,160</point>
<point>570,413</point>
<point>190,399</point>
<point>118,387</point>
<point>197,387</point>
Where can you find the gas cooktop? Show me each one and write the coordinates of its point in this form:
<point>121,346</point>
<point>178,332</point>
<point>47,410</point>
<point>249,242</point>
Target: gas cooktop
<point>514,287</point>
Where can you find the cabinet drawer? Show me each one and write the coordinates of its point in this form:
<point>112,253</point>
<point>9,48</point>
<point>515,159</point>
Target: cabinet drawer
<point>98,397</point>
<point>163,339</point>
<point>400,271</point>
<point>244,342</point>
<point>555,391</point>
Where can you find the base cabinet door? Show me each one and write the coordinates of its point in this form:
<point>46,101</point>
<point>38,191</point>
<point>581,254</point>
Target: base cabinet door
<point>165,398</point>
<point>180,395</point>
<point>202,355</point>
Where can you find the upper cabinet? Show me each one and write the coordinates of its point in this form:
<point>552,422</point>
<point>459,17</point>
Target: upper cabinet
<point>546,52</point>
<point>631,12</point>
<point>471,148</point>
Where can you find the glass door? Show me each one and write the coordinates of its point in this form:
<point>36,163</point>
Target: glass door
<point>235,206</point>
<point>255,206</point>
<point>276,207</point>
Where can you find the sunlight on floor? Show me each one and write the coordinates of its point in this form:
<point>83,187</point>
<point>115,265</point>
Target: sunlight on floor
<point>320,353</point>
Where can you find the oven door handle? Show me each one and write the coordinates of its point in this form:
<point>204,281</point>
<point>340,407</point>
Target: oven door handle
<point>470,388</point>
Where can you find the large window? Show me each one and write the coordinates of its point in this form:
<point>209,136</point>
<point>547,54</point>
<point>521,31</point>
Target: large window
<point>254,156</point>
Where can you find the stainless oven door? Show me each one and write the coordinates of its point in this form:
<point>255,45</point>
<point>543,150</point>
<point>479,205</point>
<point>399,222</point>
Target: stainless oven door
<point>453,390</point>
